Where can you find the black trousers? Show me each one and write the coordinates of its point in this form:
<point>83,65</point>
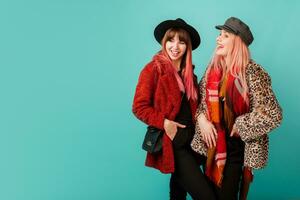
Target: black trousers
<point>233,170</point>
<point>188,176</point>
<point>231,182</point>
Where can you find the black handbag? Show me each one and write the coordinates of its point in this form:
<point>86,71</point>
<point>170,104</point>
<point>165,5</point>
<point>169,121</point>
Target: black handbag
<point>153,140</point>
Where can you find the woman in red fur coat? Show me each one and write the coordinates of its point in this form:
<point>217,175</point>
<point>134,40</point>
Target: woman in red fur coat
<point>166,98</point>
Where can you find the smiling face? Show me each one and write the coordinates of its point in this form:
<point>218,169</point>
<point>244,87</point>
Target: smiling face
<point>176,43</point>
<point>175,47</point>
<point>224,43</point>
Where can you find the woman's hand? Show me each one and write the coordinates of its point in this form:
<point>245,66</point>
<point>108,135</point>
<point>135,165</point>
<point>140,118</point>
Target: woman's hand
<point>171,128</point>
<point>234,132</point>
<point>208,131</point>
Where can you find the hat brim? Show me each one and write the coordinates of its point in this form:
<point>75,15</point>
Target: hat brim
<point>226,28</point>
<point>161,29</point>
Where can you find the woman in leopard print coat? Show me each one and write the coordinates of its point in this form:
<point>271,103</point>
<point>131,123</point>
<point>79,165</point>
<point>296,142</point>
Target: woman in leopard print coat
<point>237,109</point>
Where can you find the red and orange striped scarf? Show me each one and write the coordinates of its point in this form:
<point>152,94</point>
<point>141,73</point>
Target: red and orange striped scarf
<point>230,91</point>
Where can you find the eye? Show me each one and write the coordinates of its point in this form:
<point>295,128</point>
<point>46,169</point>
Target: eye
<point>182,42</point>
<point>171,39</point>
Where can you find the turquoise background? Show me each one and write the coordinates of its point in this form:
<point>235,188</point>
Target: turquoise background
<point>68,70</point>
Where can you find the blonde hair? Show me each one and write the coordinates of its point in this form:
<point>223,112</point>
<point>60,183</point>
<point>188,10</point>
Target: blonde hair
<point>239,57</point>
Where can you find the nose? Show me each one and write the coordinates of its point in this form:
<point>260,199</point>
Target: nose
<point>176,44</point>
<point>218,39</point>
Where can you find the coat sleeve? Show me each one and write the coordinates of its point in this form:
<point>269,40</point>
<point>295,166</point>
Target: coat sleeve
<point>197,144</point>
<point>143,102</point>
<point>202,108</point>
<point>265,113</point>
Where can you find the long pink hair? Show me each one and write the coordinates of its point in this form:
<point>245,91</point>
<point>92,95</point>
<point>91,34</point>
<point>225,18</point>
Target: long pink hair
<point>186,63</point>
<point>238,61</point>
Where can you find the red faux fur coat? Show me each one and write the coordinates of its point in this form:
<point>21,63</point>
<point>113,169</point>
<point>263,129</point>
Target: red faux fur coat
<point>157,97</point>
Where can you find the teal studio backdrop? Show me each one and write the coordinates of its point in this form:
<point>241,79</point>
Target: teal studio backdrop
<point>68,71</point>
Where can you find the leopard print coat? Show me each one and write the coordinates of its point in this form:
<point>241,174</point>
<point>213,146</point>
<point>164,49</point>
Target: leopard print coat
<point>265,114</point>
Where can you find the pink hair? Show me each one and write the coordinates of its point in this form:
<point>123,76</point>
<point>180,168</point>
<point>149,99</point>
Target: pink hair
<point>186,63</point>
<point>239,57</point>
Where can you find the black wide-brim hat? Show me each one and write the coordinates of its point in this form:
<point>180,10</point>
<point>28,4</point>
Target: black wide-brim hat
<point>161,29</point>
<point>237,27</point>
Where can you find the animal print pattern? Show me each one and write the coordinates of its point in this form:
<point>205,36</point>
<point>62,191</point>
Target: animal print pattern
<point>265,114</point>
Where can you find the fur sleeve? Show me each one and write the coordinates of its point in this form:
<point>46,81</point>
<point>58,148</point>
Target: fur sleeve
<point>197,144</point>
<point>265,113</point>
<point>144,96</point>
<point>202,108</point>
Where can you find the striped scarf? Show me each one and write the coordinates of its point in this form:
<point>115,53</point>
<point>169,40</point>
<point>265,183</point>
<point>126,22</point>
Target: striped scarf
<point>222,115</point>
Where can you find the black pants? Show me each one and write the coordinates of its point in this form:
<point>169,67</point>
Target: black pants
<point>231,182</point>
<point>188,177</point>
<point>233,170</point>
